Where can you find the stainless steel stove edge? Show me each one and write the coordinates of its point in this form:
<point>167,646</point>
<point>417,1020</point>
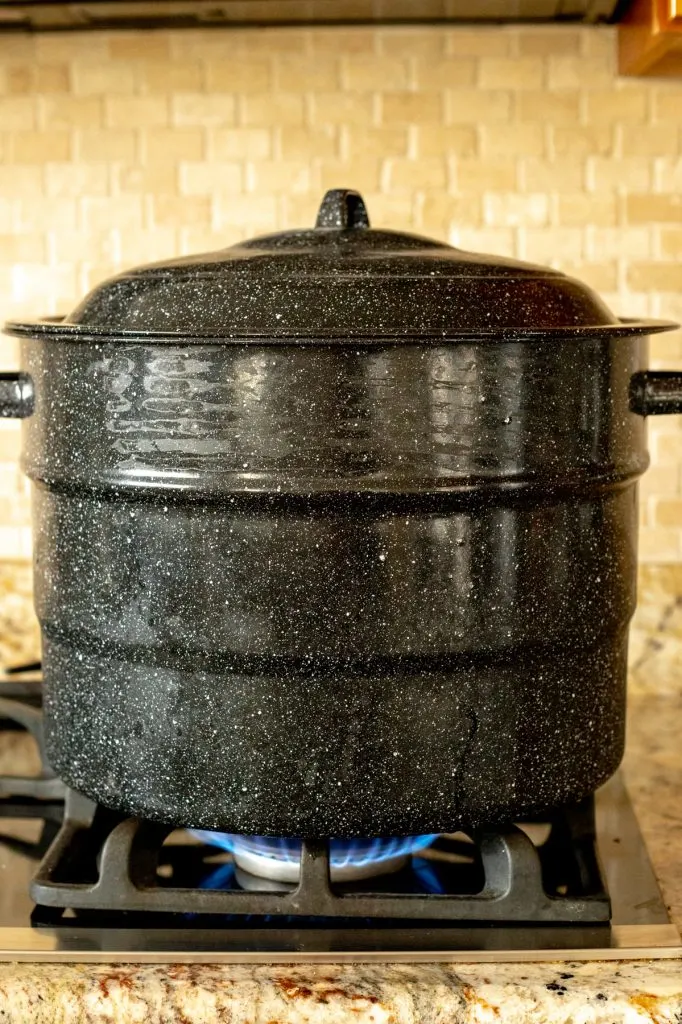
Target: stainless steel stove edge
<point>626,942</point>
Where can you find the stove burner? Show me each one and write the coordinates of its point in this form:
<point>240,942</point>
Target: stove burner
<point>279,859</point>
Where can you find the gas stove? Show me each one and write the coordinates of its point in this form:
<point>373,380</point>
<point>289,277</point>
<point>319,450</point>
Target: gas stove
<point>80,882</point>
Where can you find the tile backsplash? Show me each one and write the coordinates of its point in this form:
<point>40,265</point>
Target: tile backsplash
<point>119,148</point>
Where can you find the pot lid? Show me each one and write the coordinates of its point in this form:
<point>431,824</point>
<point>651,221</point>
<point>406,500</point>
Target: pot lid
<point>340,280</point>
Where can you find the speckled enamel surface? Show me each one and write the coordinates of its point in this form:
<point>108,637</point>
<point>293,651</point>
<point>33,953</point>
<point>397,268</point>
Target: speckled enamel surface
<point>332,590</point>
<point>595,993</point>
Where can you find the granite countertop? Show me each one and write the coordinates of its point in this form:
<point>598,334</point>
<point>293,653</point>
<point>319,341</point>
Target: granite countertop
<point>580,993</point>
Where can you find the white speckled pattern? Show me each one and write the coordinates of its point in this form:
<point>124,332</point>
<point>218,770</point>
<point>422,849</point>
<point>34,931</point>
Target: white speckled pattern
<point>543,993</point>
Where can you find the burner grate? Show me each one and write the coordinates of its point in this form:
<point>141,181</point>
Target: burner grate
<point>99,861</point>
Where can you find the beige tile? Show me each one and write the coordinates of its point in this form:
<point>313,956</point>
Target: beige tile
<point>156,244</point>
<point>570,72</point>
<point>11,542</point>
<point>516,210</point>
<point>659,545</point>
<point>362,174</point>
<point>510,73</point>
<point>21,248</point>
<point>475,176</point>
<point>627,174</point>
<point>449,73</point>
<point>173,144</point>
<point>76,179</point>
<point>484,41</point>
<point>170,76</point>
<point>646,208</point>
<point>39,213</point>
<point>459,141</point>
<point>203,178</point>
<point>668,174</point>
<point>410,107</point>
<point>476,106</point>
<point>655,275</point>
<point>291,74</point>
<point>101,245</point>
<point>651,140</point>
<point>557,107</point>
<point>380,73</point>
<point>193,240</point>
<point>244,211</point>
<point>438,208</point>
<point>658,480</point>
<point>72,111</point>
<point>135,111</point>
<point>10,441</point>
<point>63,47</point>
<point>391,211</point>
<point>135,45</point>
<point>555,246</point>
<point>579,141</point>
<point>380,142</point>
<point>39,147</point>
<point>17,113</point>
<point>604,105</point>
<point>666,449</point>
<point>151,176</point>
<point>521,140</point>
<point>579,209</point>
<point>273,109</point>
<point>341,108</point>
<point>542,42</point>
<point>199,109</point>
<point>126,212</point>
<point>93,78</point>
<point>37,78</point>
<point>295,142</point>
<point>239,76</point>
<point>667,104</point>
<point>267,177</point>
<point>408,175</point>
<point>412,41</point>
<point>614,243</point>
<point>496,241</point>
<point>106,144</point>
<point>333,41</point>
<point>599,41</point>
<point>233,144</point>
<point>670,243</point>
<point>181,211</point>
<point>602,276</point>
<point>668,512</point>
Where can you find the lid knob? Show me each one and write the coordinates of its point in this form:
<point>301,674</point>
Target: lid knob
<point>342,208</point>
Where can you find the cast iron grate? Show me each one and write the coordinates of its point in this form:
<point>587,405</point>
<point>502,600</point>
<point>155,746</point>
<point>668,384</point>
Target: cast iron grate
<point>102,862</point>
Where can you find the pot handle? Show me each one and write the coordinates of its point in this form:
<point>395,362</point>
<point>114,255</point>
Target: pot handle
<point>656,392</point>
<point>16,396</point>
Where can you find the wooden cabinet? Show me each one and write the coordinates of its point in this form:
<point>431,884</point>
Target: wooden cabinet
<point>650,39</point>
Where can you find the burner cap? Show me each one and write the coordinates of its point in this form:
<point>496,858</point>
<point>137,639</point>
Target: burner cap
<point>279,859</point>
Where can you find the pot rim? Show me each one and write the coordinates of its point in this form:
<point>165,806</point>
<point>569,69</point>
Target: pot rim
<point>53,327</point>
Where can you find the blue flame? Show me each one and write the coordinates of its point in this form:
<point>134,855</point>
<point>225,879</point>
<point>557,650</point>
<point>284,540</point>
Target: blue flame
<point>344,852</point>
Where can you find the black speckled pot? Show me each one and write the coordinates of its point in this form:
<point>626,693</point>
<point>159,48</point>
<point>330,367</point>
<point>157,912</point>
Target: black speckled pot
<point>336,533</point>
